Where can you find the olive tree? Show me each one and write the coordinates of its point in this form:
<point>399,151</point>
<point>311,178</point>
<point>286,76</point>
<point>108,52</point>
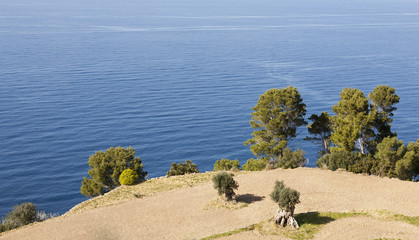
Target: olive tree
<point>225,184</point>
<point>286,198</point>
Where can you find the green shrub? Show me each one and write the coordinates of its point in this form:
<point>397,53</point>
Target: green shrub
<point>182,168</point>
<point>255,164</point>
<point>404,168</point>
<point>337,159</point>
<point>226,165</point>
<point>407,167</point>
<point>21,215</point>
<point>389,151</point>
<point>91,188</point>
<point>363,164</point>
<point>106,167</point>
<point>289,159</point>
<point>128,177</point>
<point>413,148</point>
<point>225,184</point>
<point>393,159</point>
<point>292,159</point>
<point>286,197</point>
<point>323,161</point>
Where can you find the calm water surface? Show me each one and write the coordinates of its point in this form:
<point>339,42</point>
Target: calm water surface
<point>176,80</point>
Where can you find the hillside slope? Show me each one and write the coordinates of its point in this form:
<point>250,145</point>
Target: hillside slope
<point>180,213</point>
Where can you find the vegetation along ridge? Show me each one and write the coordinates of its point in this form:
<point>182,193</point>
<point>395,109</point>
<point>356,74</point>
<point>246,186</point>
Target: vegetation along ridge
<point>356,137</point>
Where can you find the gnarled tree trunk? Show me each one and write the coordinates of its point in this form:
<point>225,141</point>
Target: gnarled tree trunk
<point>283,218</point>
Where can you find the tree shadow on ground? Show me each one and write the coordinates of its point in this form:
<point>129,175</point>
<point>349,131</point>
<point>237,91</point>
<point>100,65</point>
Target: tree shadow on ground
<point>313,218</point>
<point>249,198</point>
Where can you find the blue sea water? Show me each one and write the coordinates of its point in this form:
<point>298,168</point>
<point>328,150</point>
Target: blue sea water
<point>176,79</point>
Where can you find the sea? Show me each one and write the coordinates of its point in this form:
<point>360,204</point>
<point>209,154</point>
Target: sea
<point>177,79</point>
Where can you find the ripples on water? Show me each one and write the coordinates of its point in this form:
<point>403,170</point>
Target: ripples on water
<point>176,80</point>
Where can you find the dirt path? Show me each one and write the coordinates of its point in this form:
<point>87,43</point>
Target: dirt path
<point>179,214</point>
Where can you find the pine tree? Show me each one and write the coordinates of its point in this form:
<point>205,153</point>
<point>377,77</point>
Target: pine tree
<point>321,128</point>
<point>276,117</point>
<point>353,123</point>
<point>383,99</point>
<point>408,166</point>
<point>389,152</point>
<point>106,167</point>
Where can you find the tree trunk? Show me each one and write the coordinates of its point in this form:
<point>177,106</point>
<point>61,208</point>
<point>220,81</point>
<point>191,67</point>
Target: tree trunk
<point>283,218</point>
<point>361,146</point>
<point>325,146</point>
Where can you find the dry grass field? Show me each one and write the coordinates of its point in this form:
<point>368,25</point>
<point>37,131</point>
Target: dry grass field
<point>334,205</point>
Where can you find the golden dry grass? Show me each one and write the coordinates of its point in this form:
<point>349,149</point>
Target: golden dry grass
<point>220,202</point>
<point>331,208</point>
<point>147,188</point>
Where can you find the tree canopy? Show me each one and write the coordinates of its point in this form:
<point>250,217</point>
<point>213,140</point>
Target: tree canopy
<point>321,128</point>
<point>357,138</point>
<point>225,184</point>
<point>353,123</point>
<point>182,168</point>
<point>276,117</point>
<point>286,197</point>
<point>383,99</point>
<point>408,166</point>
<point>226,165</point>
<point>360,125</point>
<point>106,167</point>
